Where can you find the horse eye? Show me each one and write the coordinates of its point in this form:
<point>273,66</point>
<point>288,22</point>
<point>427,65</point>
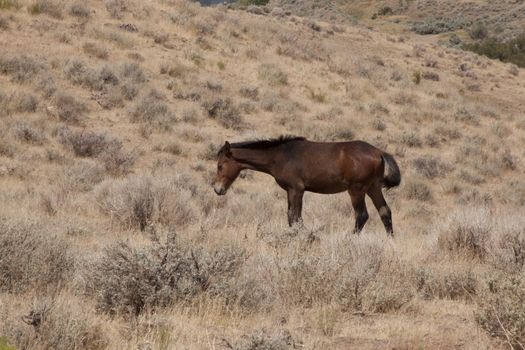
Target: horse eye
<point>220,167</point>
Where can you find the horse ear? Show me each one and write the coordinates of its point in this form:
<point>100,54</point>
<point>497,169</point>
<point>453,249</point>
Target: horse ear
<point>227,149</point>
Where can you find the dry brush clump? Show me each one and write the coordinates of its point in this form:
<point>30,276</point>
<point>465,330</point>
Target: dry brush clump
<point>61,323</point>
<point>69,109</point>
<point>152,108</point>
<point>21,69</point>
<point>224,111</point>
<point>18,102</point>
<point>31,257</point>
<point>140,201</point>
<point>127,280</point>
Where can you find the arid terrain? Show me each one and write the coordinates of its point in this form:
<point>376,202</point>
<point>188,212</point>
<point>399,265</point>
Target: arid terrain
<point>111,237</point>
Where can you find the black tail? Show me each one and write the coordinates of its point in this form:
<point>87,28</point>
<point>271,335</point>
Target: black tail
<point>392,177</point>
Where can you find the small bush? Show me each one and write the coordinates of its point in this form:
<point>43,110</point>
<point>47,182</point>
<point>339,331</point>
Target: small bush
<point>438,25</point>
<point>59,324</point>
<point>478,31</point>
<point>509,253</point>
<point>9,4</point>
<point>88,143</point>
<point>115,7</point>
<point>418,190</point>
<point>28,134</point>
<point>68,109</point>
<point>253,2</point>
<point>95,50</point>
<point>126,280</point>
<point>249,92</point>
<point>49,7</point>
<point>4,23</point>
<point>224,111</point>
<point>95,79</point>
<point>20,68</point>
<point>272,74</point>
<point>468,233</point>
<point>152,108</point>
<point>502,308</point>
<point>446,283</point>
<point>18,102</point>
<point>512,51</point>
<point>80,10</point>
<point>428,166</point>
<point>31,258</point>
<point>278,339</point>
<point>411,140</point>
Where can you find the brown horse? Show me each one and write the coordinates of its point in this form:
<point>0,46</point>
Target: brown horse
<point>300,165</point>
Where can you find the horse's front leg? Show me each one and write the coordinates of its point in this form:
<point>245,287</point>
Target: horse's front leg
<point>295,206</point>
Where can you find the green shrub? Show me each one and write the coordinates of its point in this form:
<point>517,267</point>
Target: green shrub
<point>253,2</point>
<point>512,51</point>
<point>438,25</point>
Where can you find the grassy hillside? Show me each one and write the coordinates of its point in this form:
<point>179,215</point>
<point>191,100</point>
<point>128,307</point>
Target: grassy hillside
<point>111,114</point>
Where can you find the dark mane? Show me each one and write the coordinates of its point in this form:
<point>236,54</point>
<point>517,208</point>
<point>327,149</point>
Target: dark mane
<point>263,144</point>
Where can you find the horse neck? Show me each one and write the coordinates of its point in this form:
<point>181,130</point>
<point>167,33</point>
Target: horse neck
<point>255,159</point>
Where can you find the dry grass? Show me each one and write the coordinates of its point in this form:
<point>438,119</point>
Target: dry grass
<point>112,238</point>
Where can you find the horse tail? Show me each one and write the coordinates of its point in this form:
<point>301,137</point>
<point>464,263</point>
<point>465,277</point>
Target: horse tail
<point>392,176</point>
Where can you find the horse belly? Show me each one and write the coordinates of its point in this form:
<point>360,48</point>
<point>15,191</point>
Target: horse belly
<point>326,184</point>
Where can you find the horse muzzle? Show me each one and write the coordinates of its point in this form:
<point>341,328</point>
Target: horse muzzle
<point>219,189</point>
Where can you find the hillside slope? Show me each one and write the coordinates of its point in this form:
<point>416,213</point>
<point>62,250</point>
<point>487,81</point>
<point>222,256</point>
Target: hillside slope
<point>111,114</point>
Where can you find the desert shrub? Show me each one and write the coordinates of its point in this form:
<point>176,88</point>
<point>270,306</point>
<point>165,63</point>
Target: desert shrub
<point>138,201</point>
<point>60,324</point>
<point>49,7</point>
<point>20,68</point>
<point>4,23</point>
<point>250,92</point>
<point>411,140</point>
<point>478,31</point>
<point>28,134</point>
<point>18,102</point>
<point>430,76</point>
<point>80,9</point>
<point>98,145</point>
<point>95,79</point>
<point>277,339</point>
<point>438,25</point>
<point>387,292</point>
<point>9,4</point>
<point>68,109</point>
<point>224,111</point>
<point>468,232</point>
<point>507,51</point>
<point>428,166</point>
<point>132,72</point>
<point>445,283</point>
<point>418,190</point>
<point>509,252</point>
<point>31,258</point>
<point>272,74</point>
<point>253,2</point>
<point>152,108</point>
<point>88,143</point>
<point>83,175</point>
<point>502,309</point>
<point>47,86</point>
<point>95,50</point>
<point>127,280</point>
<point>115,7</point>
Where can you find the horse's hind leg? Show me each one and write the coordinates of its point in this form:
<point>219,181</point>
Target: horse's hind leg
<point>376,194</point>
<point>359,204</point>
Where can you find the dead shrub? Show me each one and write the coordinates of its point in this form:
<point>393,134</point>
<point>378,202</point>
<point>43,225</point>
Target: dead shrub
<point>467,233</point>
<point>411,140</point>
<point>501,309</point>
<point>18,102</point>
<point>132,72</point>
<point>31,258</point>
<point>509,252</point>
<point>83,175</point>
<point>224,111</point>
<point>387,292</point>
<point>127,280</point>
<point>95,79</point>
<point>250,92</point>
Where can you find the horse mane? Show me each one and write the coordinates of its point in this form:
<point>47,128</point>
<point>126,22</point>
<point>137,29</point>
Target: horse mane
<point>268,143</point>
